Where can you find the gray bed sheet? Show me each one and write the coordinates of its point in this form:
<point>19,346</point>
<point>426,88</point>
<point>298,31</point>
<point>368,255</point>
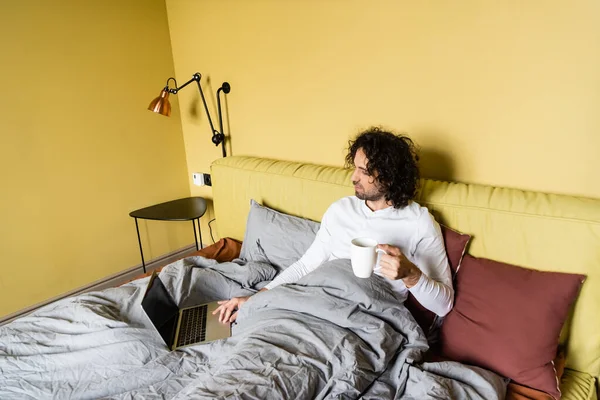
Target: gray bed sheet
<point>330,335</point>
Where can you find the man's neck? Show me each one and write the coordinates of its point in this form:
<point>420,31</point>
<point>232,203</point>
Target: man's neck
<point>378,204</point>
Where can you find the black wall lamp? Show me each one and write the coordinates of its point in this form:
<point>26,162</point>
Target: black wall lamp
<point>162,106</point>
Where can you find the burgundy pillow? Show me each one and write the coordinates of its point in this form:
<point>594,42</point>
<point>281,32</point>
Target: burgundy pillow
<point>508,319</point>
<point>456,244</point>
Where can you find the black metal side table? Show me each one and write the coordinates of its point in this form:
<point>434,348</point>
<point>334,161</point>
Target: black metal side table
<point>189,208</point>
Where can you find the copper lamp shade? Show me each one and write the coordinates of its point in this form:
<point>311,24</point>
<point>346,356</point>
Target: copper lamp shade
<point>161,104</point>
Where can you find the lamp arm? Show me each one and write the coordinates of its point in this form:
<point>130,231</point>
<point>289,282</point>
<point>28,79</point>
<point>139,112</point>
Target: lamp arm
<point>219,109</point>
<point>195,78</point>
<point>217,136</point>
<point>212,127</point>
<point>221,117</point>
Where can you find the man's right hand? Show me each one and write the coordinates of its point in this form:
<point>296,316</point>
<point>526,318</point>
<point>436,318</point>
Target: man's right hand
<point>227,307</point>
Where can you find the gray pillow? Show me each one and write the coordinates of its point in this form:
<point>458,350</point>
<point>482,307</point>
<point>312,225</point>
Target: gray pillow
<point>276,238</point>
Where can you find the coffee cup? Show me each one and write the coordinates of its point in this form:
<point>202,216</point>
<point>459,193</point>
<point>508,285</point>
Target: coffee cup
<point>364,256</point>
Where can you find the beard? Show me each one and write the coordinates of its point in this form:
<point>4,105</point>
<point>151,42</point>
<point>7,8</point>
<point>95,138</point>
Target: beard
<point>374,195</point>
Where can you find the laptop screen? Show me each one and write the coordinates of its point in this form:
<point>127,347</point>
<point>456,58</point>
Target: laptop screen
<point>161,309</point>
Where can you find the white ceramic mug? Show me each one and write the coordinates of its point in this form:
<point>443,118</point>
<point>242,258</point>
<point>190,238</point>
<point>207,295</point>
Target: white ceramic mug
<point>364,256</point>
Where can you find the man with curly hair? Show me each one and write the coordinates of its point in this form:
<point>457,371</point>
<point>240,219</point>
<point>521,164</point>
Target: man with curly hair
<point>385,179</point>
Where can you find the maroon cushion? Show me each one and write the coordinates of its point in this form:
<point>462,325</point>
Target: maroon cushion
<point>456,244</point>
<point>508,319</point>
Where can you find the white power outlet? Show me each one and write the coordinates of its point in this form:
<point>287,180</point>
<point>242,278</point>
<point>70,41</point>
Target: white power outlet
<point>198,178</point>
<point>201,179</point>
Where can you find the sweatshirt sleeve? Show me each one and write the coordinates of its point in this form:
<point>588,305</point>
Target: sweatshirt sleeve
<point>318,252</point>
<point>434,289</point>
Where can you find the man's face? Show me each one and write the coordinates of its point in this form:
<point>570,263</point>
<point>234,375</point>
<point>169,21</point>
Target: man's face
<point>365,185</point>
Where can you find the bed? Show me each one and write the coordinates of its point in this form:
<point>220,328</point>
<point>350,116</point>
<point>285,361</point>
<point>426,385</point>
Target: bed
<point>331,335</point>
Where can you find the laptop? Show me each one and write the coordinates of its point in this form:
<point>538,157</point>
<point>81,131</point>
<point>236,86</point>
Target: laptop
<point>181,327</point>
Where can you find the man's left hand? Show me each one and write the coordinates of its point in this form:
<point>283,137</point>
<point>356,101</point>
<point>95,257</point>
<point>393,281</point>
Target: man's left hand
<point>394,265</point>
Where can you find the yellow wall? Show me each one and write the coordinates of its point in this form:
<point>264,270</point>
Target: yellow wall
<point>79,150</point>
<point>501,93</point>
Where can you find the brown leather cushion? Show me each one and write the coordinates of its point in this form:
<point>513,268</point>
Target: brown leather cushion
<point>456,244</point>
<point>520,392</point>
<point>223,251</point>
<point>508,319</point>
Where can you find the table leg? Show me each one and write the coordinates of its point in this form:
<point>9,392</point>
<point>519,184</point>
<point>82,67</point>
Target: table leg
<point>196,236</point>
<point>200,233</point>
<point>140,243</point>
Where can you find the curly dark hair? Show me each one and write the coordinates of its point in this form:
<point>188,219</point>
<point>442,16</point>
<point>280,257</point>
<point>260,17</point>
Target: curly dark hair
<point>393,159</point>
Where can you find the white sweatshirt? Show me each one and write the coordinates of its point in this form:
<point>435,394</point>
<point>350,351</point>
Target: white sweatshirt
<point>412,229</point>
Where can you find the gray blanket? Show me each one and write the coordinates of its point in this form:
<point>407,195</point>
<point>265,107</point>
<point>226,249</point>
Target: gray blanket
<point>331,335</point>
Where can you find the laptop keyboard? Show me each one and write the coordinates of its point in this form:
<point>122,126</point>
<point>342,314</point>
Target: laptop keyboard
<point>193,326</point>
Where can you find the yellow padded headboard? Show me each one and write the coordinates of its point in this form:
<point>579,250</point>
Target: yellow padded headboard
<point>534,230</point>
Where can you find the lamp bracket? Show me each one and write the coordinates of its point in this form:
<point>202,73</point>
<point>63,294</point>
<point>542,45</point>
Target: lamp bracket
<point>218,138</point>
<point>225,87</point>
